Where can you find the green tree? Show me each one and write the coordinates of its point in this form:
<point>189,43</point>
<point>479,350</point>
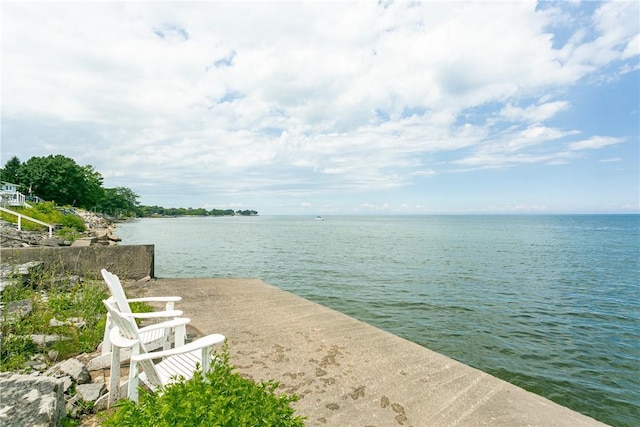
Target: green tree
<point>62,180</point>
<point>10,171</point>
<point>93,191</point>
<point>119,201</point>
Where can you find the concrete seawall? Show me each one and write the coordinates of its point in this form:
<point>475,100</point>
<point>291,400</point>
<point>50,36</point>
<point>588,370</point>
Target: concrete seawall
<point>349,373</point>
<point>127,261</point>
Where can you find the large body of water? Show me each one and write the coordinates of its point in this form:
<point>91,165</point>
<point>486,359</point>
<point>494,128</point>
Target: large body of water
<point>547,302</point>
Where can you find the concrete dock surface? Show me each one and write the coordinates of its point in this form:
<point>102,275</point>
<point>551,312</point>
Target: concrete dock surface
<point>346,372</point>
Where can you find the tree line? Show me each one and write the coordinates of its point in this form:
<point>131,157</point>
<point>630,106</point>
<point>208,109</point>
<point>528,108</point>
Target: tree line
<point>160,211</point>
<point>60,179</point>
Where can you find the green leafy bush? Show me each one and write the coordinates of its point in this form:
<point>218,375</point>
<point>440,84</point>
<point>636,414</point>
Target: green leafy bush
<point>73,221</point>
<point>45,208</point>
<point>224,398</point>
<point>16,349</point>
<point>68,233</point>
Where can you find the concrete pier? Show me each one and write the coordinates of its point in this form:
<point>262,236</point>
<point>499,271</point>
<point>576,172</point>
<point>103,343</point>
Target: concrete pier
<point>346,372</point>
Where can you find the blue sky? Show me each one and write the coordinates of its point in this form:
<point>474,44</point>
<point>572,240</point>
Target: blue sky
<point>386,107</point>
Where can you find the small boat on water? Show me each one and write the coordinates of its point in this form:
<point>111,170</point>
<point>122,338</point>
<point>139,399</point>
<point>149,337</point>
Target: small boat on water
<point>319,218</point>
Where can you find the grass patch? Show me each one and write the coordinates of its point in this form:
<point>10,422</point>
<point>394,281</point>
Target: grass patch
<point>77,307</point>
<point>46,212</point>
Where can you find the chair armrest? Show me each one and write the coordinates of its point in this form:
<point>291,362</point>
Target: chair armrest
<point>204,342</point>
<point>119,341</point>
<point>180,321</point>
<point>155,299</point>
<point>153,314</point>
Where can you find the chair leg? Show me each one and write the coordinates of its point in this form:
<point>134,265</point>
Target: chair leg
<point>180,334</point>
<point>166,339</point>
<point>206,361</point>
<point>132,389</point>
<point>114,377</point>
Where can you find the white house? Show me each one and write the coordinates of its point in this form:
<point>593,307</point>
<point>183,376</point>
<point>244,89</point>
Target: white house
<point>9,187</point>
<point>10,196</point>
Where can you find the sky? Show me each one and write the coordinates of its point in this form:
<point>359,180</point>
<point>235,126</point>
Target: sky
<point>327,107</point>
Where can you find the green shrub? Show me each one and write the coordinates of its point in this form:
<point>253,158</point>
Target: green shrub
<point>73,221</point>
<point>45,208</point>
<point>16,349</point>
<point>69,234</point>
<point>225,398</point>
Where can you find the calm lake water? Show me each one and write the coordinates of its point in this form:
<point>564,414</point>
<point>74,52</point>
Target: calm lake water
<point>549,303</point>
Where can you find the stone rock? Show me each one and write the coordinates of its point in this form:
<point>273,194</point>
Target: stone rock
<point>55,322</point>
<point>30,401</point>
<point>94,393</point>
<point>36,365</point>
<point>52,241</point>
<point>27,269</point>
<point>46,340</point>
<point>73,321</point>
<point>90,392</point>
<point>84,241</point>
<point>18,273</point>
<point>53,355</point>
<point>67,382</point>
<point>101,233</point>
<point>16,310</point>
<point>73,368</point>
<point>92,220</point>
<point>72,405</point>
<point>76,321</point>
<point>11,237</point>
<point>66,282</point>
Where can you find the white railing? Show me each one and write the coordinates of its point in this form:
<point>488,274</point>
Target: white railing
<point>28,218</point>
<point>13,198</point>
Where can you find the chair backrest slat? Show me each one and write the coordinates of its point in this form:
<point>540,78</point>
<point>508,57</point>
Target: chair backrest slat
<point>117,291</point>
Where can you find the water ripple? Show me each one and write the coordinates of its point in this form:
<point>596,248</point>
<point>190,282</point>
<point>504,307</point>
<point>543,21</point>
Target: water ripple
<point>549,303</point>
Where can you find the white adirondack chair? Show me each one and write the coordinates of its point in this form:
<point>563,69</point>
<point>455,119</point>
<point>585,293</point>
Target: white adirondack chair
<point>152,337</point>
<point>177,363</point>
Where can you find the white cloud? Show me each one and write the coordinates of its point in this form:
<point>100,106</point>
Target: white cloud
<point>616,27</point>
<point>523,208</point>
<point>296,98</point>
<point>633,48</point>
<point>534,135</point>
<point>499,160</point>
<point>611,160</point>
<point>534,113</point>
<point>594,143</point>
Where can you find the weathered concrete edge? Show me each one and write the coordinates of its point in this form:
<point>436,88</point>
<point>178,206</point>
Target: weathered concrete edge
<point>127,261</point>
<point>348,372</point>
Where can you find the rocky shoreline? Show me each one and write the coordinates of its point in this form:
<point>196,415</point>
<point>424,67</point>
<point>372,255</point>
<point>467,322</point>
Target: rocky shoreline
<point>99,232</point>
<point>69,387</point>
